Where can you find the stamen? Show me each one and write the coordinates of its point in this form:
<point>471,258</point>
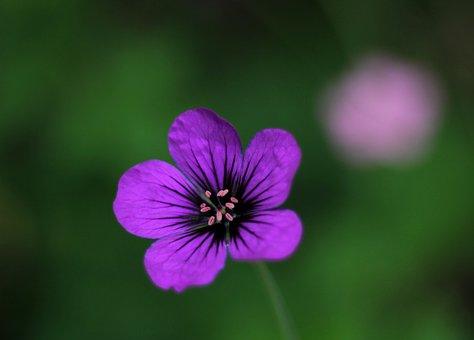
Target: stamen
<point>222,193</point>
<point>208,194</point>
<point>205,209</point>
<point>230,205</point>
<point>229,217</point>
<point>203,205</point>
<point>234,200</point>
<point>219,216</point>
<point>211,221</point>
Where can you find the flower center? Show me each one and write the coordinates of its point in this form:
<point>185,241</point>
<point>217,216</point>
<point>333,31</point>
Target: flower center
<point>219,207</point>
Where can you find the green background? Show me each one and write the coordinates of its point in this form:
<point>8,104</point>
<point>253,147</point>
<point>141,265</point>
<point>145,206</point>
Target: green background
<point>89,88</point>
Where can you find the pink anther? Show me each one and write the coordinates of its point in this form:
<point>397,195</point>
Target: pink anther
<point>219,216</point>
<point>230,205</point>
<point>211,220</point>
<point>229,216</point>
<point>222,193</point>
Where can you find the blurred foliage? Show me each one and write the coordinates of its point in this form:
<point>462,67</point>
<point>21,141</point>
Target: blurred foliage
<point>89,88</point>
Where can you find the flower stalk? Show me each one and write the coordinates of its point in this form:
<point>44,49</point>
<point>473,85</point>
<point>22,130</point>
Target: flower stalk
<point>281,311</point>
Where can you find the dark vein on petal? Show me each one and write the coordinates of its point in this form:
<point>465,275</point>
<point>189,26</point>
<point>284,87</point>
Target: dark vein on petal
<point>249,193</point>
<point>209,247</point>
<point>198,246</point>
<point>199,181</point>
<point>201,169</point>
<point>243,241</point>
<point>263,199</point>
<point>261,193</point>
<point>250,231</point>
<point>177,192</point>
<point>183,217</point>
<point>214,170</point>
<point>189,240</point>
<point>244,174</point>
<point>178,224</point>
<point>225,174</point>
<point>190,191</point>
<point>169,204</point>
<point>255,221</point>
<point>236,243</point>
<point>233,174</point>
<point>248,178</point>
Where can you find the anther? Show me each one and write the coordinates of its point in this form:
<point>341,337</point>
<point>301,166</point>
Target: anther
<point>208,194</point>
<point>205,209</point>
<point>229,217</point>
<point>211,221</point>
<point>222,193</point>
<point>203,205</point>
<point>230,205</point>
<point>234,200</point>
<point>219,216</point>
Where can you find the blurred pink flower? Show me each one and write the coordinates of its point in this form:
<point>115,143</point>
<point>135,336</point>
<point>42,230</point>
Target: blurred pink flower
<point>383,111</point>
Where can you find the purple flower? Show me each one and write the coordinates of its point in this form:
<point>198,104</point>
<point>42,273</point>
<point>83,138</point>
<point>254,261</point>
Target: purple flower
<point>384,111</point>
<point>217,201</point>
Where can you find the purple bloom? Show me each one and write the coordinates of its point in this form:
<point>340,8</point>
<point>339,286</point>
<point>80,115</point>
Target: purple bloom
<point>217,201</point>
<point>384,111</point>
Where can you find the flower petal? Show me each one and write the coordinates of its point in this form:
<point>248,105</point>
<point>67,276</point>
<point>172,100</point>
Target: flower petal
<point>154,199</point>
<point>189,260</point>
<point>270,235</point>
<point>270,163</point>
<point>206,148</point>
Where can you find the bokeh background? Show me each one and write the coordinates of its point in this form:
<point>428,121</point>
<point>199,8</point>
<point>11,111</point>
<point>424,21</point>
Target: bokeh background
<point>89,88</point>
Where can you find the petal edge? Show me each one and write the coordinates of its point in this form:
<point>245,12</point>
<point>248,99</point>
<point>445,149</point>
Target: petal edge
<point>270,163</point>
<point>271,235</point>
<point>154,200</point>
<point>206,148</point>
<point>184,262</point>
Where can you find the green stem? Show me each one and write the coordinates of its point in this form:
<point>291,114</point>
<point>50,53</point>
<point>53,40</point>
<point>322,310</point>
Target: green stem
<point>278,302</point>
